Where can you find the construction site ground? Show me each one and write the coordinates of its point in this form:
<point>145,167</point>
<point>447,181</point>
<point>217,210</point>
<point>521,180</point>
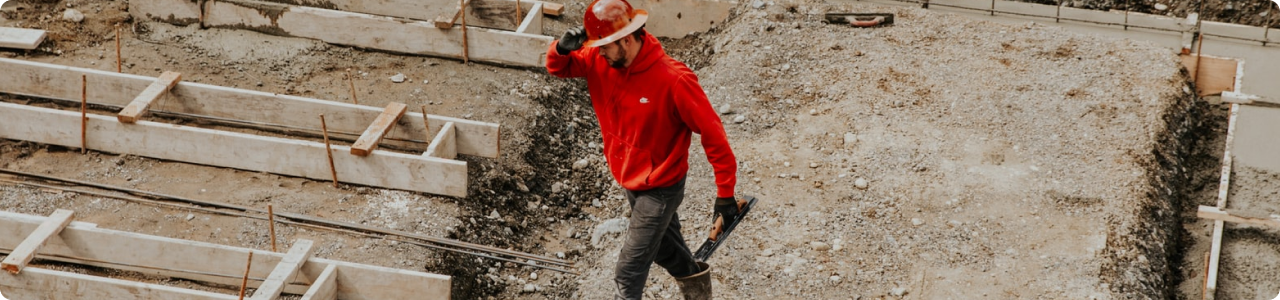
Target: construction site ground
<point>937,158</point>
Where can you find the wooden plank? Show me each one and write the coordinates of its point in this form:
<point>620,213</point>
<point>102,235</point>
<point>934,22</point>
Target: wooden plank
<point>1216,74</point>
<point>21,38</point>
<point>442,145</point>
<point>286,269</point>
<point>359,30</point>
<point>324,288</point>
<point>409,9</point>
<point>119,248</point>
<point>138,107</point>
<point>533,22</point>
<point>1255,141</point>
<point>114,89</point>
<point>1224,184</point>
<point>373,135</point>
<point>27,250</point>
<point>37,283</point>
<point>234,150</point>
<point>445,22</point>
<point>1214,213</point>
<point>554,9</point>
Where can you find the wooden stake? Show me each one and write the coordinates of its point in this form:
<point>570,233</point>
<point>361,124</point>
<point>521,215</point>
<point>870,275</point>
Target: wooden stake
<point>118,58</point>
<point>1195,78</point>
<point>84,106</point>
<point>518,13</point>
<point>426,125</point>
<point>245,282</point>
<point>328,151</point>
<point>271,225</point>
<point>352,82</point>
<point>465,53</point>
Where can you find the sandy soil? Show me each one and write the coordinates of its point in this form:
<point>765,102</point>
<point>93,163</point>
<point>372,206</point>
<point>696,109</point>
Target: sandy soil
<point>1000,161</point>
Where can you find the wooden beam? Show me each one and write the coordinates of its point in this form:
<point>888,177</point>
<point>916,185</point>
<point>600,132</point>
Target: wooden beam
<point>1240,98</point>
<point>27,250</point>
<point>373,135</point>
<point>234,150</point>
<point>444,22</point>
<point>324,288</point>
<point>1216,74</point>
<point>1224,185</point>
<point>113,89</point>
<point>554,9</point>
<point>443,145</point>
<point>138,107</point>
<point>532,23</point>
<point>355,29</point>
<point>37,283</point>
<point>1214,213</point>
<point>21,38</point>
<point>217,264</point>
<point>286,269</point>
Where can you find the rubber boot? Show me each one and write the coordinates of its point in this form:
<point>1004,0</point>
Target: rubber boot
<point>696,286</point>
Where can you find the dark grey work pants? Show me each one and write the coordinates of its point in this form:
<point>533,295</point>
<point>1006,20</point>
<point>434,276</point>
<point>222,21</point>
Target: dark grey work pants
<point>653,237</point>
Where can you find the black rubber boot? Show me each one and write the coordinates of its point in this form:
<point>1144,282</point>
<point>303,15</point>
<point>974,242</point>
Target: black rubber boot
<point>696,286</point>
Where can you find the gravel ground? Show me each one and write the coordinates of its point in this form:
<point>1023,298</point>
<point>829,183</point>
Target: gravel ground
<point>937,158</point>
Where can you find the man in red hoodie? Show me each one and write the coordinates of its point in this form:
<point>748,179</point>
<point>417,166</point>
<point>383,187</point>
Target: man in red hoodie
<point>648,105</point>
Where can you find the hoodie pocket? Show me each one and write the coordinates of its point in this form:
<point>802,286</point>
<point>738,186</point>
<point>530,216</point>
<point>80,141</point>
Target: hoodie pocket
<point>630,165</point>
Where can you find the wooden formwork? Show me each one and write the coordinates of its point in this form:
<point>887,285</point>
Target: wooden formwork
<point>270,273</point>
<point>436,174</point>
<point>526,46</point>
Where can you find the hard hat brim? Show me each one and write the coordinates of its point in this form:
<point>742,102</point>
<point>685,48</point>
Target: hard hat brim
<point>637,21</point>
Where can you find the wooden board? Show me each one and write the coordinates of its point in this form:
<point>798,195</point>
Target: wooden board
<point>138,107</point>
<point>27,249</point>
<point>324,287</point>
<point>84,240</point>
<point>355,29</point>
<point>532,23</point>
<point>373,135</point>
<point>21,38</point>
<point>234,150</point>
<point>286,269</point>
<point>115,89</point>
<point>1224,184</point>
<point>37,283</point>
<point>554,9</point>
<point>447,21</point>
<point>442,145</point>
<point>1214,213</point>
<point>1217,74</point>
<point>410,9</point>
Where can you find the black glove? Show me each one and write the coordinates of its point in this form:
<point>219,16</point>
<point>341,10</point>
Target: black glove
<point>727,207</point>
<point>571,40</point>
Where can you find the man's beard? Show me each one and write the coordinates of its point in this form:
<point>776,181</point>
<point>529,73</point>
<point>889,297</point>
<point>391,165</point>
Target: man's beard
<point>617,64</point>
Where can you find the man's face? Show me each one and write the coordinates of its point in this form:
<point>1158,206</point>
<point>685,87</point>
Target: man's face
<point>615,53</point>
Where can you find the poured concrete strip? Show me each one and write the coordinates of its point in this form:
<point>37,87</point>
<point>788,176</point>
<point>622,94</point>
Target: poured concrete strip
<point>1256,139</point>
<point>174,258</point>
<point>115,89</point>
<point>409,9</point>
<point>1224,184</point>
<point>352,29</point>
<point>234,150</point>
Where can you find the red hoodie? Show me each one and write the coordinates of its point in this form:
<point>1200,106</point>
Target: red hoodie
<point>647,115</point>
